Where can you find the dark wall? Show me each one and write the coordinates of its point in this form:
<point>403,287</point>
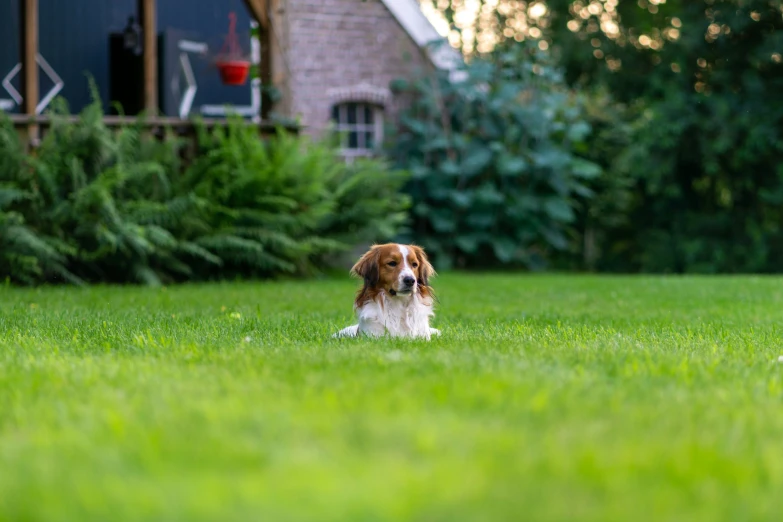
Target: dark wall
<point>74,39</point>
<point>9,41</point>
<point>207,21</point>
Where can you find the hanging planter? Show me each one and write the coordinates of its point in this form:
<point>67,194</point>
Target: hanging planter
<point>233,66</point>
<point>234,72</point>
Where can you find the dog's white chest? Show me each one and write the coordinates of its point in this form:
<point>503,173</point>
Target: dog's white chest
<point>394,316</point>
<point>399,317</point>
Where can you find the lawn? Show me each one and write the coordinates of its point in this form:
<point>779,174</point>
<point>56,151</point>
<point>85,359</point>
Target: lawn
<point>546,398</point>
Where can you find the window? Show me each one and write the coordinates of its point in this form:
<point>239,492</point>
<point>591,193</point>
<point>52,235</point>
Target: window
<point>360,126</point>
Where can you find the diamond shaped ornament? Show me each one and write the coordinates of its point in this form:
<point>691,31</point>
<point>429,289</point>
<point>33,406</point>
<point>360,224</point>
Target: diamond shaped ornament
<point>48,70</point>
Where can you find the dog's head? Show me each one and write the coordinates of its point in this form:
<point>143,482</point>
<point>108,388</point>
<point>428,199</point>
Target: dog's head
<point>398,270</point>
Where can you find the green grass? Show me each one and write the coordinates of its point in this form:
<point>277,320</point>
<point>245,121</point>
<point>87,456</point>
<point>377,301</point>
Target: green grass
<point>547,398</point>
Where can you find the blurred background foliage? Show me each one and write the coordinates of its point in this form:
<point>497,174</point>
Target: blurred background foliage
<point>602,135</point>
<point>583,135</point>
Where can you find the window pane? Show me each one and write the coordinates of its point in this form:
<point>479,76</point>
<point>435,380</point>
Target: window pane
<point>369,138</point>
<point>360,113</point>
<point>352,113</point>
<point>335,116</point>
<point>353,139</point>
<point>368,114</point>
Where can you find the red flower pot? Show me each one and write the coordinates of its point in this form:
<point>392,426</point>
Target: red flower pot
<point>234,72</point>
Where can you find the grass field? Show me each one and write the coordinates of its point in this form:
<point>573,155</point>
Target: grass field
<point>547,398</point>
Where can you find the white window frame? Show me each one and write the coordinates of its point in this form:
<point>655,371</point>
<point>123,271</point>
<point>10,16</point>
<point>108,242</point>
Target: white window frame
<point>361,127</point>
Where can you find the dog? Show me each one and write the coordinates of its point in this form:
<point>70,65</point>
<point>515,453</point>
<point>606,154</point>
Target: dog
<point>396,298</point>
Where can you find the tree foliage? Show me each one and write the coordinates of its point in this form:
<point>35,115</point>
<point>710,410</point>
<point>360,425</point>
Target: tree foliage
<point>687,127</point>
<point>705,181</point>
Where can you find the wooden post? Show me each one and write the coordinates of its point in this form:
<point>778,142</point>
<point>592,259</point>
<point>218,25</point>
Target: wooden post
<point>148,20</point>
<point>259,9</point>
<point>265,72</point>
<point>28,11</point>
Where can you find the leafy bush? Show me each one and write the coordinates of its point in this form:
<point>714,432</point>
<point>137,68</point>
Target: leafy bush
<point>706,195</point>
<point>283,206</point>
<point>495,161</point>
<point>99,205</point>
<point>26,255</point>
<point>604,211</point>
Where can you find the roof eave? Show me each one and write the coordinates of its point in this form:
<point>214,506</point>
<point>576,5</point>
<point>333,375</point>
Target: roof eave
<point>423,33</point>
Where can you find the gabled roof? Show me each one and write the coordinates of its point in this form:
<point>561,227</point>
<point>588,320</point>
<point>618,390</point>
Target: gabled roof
<point>417,25</point>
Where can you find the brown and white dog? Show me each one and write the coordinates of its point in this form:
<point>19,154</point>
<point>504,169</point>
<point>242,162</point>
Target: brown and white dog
<point>396,298</point>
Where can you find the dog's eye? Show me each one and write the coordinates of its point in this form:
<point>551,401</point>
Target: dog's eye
<point>415,265</point>
<point>392,263</point>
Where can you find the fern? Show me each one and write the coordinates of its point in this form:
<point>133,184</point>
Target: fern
<point>106,205</point>
<point>26,257</point>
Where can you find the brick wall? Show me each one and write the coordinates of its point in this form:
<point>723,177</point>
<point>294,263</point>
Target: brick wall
<point>333,45</point>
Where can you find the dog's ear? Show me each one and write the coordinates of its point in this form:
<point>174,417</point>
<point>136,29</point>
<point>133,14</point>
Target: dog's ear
<point>367,267</point>
<point>425,268</point>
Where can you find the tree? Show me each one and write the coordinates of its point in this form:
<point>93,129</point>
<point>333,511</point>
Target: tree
<point>700,90</point>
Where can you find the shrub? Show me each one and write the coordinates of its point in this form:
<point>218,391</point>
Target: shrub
<point>94,191</point>
<point>706,195</point>
<point>494,159</point>
<point>284,205</point>
<point>26,255</point>
<point>603,213</point>
<point>99,205</point>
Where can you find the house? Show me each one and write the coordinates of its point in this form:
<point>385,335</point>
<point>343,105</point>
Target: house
<point>330,61</point>
<point>340,56</point>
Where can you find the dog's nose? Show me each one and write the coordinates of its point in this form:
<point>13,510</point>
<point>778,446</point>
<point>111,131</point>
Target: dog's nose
<point>408,281</point>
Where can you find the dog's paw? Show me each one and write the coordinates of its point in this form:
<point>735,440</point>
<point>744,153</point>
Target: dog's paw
<point>351,331</point>
<point>434,331</point>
